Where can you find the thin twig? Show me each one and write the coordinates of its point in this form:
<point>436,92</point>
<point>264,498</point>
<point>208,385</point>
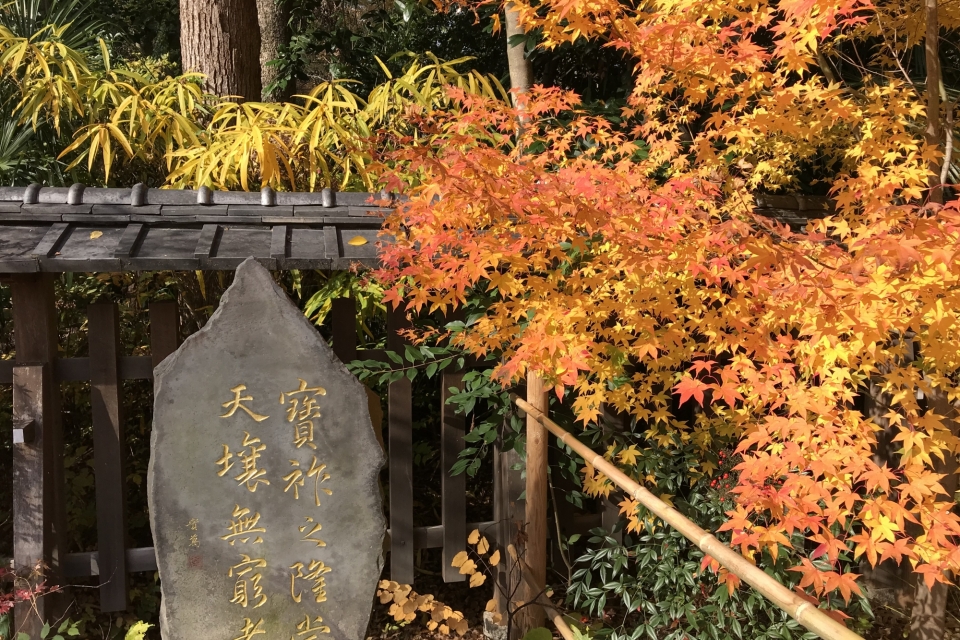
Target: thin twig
<point>564,553</point>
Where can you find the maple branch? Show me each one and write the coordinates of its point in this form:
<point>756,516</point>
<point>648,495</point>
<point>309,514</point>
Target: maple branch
<point>826,67</point>
<point>948,145</point>
<point>906,75</point>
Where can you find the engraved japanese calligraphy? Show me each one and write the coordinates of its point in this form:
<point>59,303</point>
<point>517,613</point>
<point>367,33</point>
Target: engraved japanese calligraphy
<point>266,524</point>
<point>249,473</point>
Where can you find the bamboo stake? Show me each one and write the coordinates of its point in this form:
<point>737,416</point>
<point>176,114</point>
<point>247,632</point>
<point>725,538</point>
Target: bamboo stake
<point>796,607</point>
<point>552,612</point>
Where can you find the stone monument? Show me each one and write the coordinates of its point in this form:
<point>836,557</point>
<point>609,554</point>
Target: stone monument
<point>264,502</point>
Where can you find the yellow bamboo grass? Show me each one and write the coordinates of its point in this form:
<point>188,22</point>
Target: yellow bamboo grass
<point>796,607</point>
<point>551,610</point>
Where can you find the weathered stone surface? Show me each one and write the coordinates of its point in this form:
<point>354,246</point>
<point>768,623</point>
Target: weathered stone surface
<point>239,495</point>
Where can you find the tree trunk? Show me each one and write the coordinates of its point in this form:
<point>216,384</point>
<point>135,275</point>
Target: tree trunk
<point>274,16</point>
<point>221,39</point>
<point>933,131</point>
<point>521,73</point>
<point>889,583</point>
<point>928,621</point>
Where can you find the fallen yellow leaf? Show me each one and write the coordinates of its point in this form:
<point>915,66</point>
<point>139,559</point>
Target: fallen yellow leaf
<point>357,241</point>
<point>95,234</point>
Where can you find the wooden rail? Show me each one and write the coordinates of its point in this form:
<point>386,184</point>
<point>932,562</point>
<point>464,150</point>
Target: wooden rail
<point>139,559</point>
<point>796,607</point>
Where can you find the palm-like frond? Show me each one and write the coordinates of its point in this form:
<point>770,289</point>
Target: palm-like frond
<point>16,149</point>
<point>82,26</point>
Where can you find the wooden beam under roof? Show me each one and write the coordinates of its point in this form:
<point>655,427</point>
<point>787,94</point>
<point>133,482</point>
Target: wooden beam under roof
<point>45,229</point>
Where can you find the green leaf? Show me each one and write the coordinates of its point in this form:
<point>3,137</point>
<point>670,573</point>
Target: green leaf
<point>413,355</point>
<point>411,374</point>
<point>540,633</point>
<point>394,356</point>
<point>45,631</point>
<point>432,369</point>
<point>137,631</point>
<point>23,636</point>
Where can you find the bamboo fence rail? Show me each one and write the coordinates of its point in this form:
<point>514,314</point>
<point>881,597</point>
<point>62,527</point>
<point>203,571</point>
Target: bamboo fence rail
<point>796,607</point>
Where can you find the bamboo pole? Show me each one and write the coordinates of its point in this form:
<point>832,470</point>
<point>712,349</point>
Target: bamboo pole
<point>536,498</point>
<point>796,607</point>
<point>556,617</point>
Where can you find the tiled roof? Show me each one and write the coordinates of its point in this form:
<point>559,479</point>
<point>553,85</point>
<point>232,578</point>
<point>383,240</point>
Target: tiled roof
<point>138,229</point>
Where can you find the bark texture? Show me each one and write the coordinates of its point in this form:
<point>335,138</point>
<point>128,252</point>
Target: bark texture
<point>521,72</point>
<point>221,39</point>
<point>933,133</point>
<point>928,620</point>
<point>274,17</point>
<point>889,583</point>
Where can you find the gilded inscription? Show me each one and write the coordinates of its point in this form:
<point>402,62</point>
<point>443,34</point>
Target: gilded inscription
<point>194,538</point>
<point>313,527</point>
<point>247,588</point>
<point>237,403</point>
<point>296,479</point>
<point>243,524</point>
<point>312,627</point>
<point>250,473</point>
<point>315,573</point>
<point>302,411</point>
<point>250,629</point>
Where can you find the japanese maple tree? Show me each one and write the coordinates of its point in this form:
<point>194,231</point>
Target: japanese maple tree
<point>624,262</point>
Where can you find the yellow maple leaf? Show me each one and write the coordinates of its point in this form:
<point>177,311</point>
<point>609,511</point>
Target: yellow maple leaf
<point>459,559</point>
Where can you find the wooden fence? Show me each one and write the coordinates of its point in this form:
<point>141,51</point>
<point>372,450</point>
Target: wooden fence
<point>39,521</point>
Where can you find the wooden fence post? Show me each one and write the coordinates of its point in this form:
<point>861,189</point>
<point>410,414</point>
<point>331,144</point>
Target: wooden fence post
<point>164,329</point>
<point>39,528</point>
<point>108,454</point>
<point>536,503</point>
<point>401,461</point>
<point>453,507</point>
<point>508,514</point>
<point>343,314</point>
<point>31,545</point>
